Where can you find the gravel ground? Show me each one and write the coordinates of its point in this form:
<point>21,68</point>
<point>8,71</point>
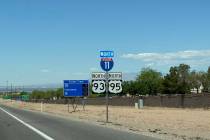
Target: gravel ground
<point>164,123</point>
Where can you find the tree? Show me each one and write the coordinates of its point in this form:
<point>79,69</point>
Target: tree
<point>59,93</point>
<point>49,94</point>
<point>149,81</point>
<point>196,80</point>
<point>36,94</point>
<point>206,80</point>
<point>130,87</point>
<point>170,82</point>
<point>177,81</point>
<point>184,83</point>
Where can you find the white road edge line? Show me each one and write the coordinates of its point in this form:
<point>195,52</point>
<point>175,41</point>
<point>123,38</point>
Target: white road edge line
<point>29,126</point>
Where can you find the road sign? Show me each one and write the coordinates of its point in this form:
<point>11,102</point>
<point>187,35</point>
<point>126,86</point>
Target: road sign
<point>102,76</point>
<point>99,86</point>
<point>106,54</point>
<point>98,76</point>
<point>107,64</point>
<point>75,88</point>
<point>114,82</point>
<point>115,86</point>
<point>115,75</point>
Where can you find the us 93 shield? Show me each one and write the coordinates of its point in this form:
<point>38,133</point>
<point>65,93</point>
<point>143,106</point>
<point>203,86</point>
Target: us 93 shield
<point>99,86</point>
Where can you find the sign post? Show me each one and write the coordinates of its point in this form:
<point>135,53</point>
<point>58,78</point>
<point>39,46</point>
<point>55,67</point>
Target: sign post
<point>105,82</point>
<point>107,97</point>
<point>107,64</point>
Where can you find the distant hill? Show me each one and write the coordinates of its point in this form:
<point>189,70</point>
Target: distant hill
<point>30,88</point>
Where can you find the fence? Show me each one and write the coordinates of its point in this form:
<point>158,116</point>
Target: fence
<point>177,101</point>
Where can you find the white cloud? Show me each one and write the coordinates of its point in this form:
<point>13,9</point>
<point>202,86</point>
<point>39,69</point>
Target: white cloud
<point>194,58</point>
<point>45,70</point>
<point>171,56</point>
<point>149,64</point>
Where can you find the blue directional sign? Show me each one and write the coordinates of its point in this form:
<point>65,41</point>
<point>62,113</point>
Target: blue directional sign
<point>75,88</point>
<point>107,64</point>
<point>106,54</point>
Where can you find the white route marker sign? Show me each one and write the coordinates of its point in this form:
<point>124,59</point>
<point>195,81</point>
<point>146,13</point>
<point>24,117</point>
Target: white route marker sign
<point>115,86</point>
<point>102,76</point>
<point>98,76</point>
<point>99,86</point>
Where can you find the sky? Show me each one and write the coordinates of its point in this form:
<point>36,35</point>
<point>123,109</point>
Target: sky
<point>47,41</point>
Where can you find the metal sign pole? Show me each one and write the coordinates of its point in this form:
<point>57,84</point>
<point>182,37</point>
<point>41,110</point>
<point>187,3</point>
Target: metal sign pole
<point>107,97</point>
<point>107,64</point>
<point>68,105</point>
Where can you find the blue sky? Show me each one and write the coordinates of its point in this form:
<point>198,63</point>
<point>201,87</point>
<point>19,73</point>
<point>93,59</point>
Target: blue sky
<point>46,41</point>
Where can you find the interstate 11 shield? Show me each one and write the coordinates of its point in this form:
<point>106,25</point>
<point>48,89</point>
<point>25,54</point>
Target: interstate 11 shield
<point>107,64</point>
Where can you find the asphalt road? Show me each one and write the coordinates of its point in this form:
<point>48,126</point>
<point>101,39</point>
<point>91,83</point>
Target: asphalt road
<point>17,124</point>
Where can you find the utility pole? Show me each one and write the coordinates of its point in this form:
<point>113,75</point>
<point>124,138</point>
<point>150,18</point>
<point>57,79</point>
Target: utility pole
<point>11,88</point>
<point>23,89</point>
<point>15,87</point>
<point>6,87</point>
